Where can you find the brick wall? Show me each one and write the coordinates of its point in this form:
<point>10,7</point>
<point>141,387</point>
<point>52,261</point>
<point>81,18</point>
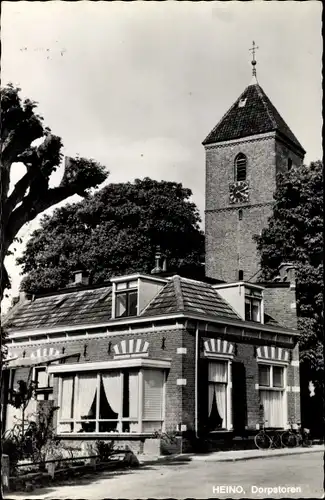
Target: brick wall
<point>283,152</point>
<point>260,171</point>
<point>180,400</point>
<point>101,349</point>
<point>229,243</point>
<point>280,303</point>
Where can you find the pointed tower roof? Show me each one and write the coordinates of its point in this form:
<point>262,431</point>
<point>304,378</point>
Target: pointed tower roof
<point>252,114</point>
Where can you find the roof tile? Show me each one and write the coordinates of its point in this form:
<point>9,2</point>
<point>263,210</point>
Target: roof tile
<point>256,116</point>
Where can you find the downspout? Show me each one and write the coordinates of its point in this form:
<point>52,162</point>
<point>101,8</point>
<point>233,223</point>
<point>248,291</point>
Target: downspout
<point>196,379</point>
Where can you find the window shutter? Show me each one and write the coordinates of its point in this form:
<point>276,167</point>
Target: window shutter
<point>153,394</point>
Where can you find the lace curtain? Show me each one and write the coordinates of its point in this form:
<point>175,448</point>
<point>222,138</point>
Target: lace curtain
<point>272,402</point>
<point>217,394</point>
<point>112,386</point>
<point>85,396</point>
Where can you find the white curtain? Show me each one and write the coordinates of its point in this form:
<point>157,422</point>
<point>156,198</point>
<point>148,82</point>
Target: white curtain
<point>133,395</point>
<point>112,387</point>
<point>218,371</point>
<point>211,394</point>
<point>272,402</point>
<point>87,387</point>
<point>153,394</point>
<point>66,398</point>
<point>220,393</point>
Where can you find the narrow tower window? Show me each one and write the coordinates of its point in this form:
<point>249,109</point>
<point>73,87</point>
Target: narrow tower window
<point>240,214</point>
<point>240,167</point>
<point>240,275</point>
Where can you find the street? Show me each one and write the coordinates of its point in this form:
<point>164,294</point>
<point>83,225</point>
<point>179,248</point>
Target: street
<point>254,478</point>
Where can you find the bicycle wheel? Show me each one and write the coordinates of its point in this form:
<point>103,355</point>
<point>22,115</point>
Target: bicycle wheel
<point>262,441</point>
<point>289,439</point>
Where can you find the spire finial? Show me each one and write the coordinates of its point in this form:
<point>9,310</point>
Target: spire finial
<point>253,49</point>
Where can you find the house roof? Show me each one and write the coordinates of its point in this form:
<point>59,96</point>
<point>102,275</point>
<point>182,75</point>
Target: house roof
<point>256,115</point>
<point>91,306</point>
<point>76,307</point>
<point>184,295</point>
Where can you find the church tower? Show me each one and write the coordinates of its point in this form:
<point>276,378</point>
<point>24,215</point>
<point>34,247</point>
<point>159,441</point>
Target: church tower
<point>245,151</point>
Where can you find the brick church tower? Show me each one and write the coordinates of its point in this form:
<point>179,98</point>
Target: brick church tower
<point>245,151</point>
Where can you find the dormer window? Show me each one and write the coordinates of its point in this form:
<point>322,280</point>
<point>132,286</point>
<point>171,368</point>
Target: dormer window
<point>126,299</point>
<point>253,305</point>
<point>240,167</point>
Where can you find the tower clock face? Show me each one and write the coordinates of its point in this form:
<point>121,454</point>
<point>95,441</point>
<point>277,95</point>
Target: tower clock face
<point>238,192</point>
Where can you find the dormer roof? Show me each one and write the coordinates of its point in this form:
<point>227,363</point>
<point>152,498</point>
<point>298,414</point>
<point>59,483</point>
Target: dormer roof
<point>185,295</point>
<point>251,114</point>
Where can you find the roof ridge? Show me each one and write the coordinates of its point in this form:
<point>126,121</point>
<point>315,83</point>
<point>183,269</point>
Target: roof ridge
<point>260,92</point>
<point>183,278</point>
<point>178,292</point>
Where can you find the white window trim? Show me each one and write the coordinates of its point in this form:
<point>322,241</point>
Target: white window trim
<point>111,365</point>
<point>284,389</point>
<point>228,359</point>
<point>119,432</point>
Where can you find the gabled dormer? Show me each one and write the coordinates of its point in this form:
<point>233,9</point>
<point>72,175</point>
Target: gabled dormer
<point>246,298</point>
<point>132,293</point>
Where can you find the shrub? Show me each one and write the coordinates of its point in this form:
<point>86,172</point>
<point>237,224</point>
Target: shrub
<point>104,449</point>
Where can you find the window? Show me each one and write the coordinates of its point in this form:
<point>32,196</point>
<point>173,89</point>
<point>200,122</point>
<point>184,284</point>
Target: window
<point>240,167</point>
<point>112,402</point>
<point>253,301</point>
<point>240,214</point>
<point>44,383</point>
<point>240,275</point>
<point>126,299</point>
<point>242,103</point>
<point>218,395</point>
<point>289,164</point>
<point>271,392</point>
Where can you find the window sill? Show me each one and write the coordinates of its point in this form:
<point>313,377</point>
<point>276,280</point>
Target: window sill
<point>221,431</point>
<point>99,435</point>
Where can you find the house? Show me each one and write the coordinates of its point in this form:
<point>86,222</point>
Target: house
<point>148,354</point>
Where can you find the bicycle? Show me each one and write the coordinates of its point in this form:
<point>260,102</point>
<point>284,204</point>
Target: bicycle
<point>266,439</point>
<point>302,437</point>
<point>289,437</point>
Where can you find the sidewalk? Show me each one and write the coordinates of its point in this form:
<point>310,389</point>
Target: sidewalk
<point>231,456</point>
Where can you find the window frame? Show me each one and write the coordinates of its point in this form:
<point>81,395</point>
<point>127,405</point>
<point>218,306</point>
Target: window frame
<point>228,412</point>
<point>250,297</point>
<point>44,392</point>
<point>283,390</point>
<point>240,157</point>
<point>121,419</point>
<point>126,291</point>
<point>271,367</point>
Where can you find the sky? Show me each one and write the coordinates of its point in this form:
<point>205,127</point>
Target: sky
<point>138,85</point>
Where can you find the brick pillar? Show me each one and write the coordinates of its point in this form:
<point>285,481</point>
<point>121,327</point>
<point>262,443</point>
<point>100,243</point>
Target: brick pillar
<point>293,381</point>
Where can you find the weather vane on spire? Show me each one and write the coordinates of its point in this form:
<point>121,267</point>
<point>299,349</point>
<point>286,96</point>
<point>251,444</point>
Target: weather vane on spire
<point>253,49</point>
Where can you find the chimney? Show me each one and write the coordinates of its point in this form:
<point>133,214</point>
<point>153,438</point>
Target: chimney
<point>157,269</point>
<point>23,296</point>
<point>80,278</point>
<point>287,272</point>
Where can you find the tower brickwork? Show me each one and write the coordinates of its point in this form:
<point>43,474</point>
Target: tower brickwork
<point>244,153</point>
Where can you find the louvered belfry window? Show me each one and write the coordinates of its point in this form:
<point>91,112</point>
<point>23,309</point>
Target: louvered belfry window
<point>240,167</point>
